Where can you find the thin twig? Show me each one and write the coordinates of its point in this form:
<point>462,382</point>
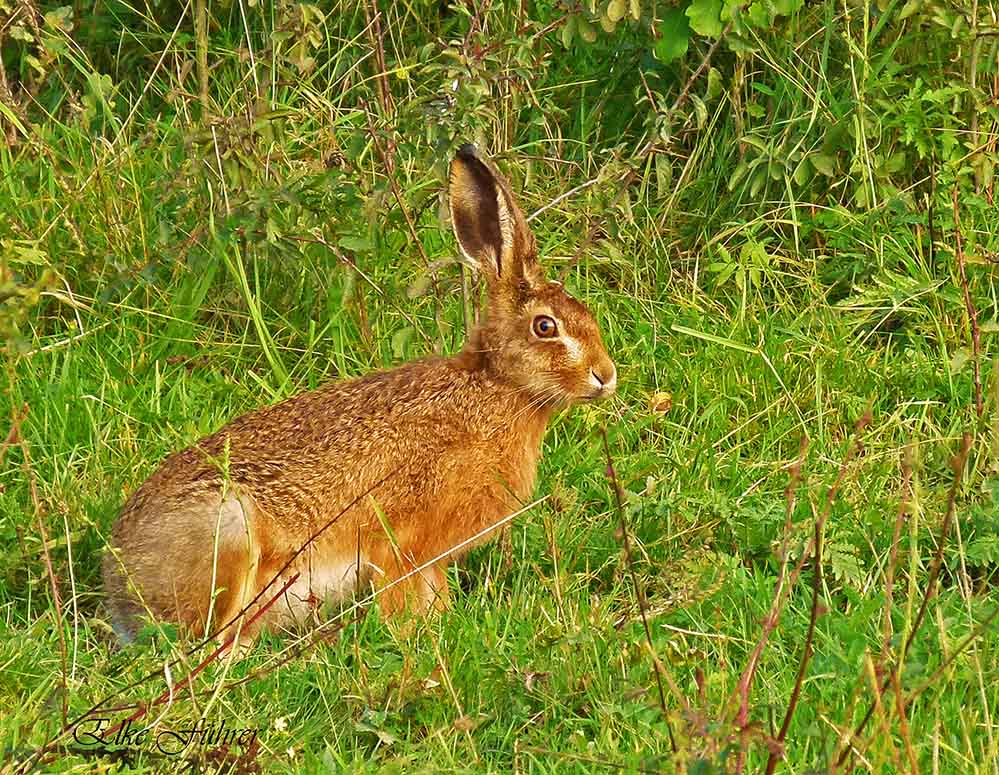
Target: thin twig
<point>13,433</point>
<point>418,570</point>
<point>374,29</point>
<point>636,584</point>
<point>29,475</point>
<point>903,511</point>
<point>970,305</point>
<point>351,264</point>
<point>390,173</point>
<point>562,197</point>
<point>681,98</point>
<point>67,728</point>
<point>776,753</point>
<point>142,709</point>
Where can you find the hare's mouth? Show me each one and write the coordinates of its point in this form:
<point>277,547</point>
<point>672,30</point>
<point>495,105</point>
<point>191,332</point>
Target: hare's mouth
<point>597,395</point>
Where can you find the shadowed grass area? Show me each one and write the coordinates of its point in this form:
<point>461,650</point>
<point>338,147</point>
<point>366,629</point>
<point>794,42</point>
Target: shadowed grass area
<point>770,247</point>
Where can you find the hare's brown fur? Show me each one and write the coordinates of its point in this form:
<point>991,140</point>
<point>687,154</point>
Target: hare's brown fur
<point>445,446</point>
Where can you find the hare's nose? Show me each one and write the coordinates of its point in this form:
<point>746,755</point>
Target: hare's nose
<point>604,376</point>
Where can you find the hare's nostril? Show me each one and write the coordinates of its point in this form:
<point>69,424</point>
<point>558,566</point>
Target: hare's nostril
<point>604,377</point>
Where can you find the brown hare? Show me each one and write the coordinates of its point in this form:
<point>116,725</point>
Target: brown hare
<point>429,453</point>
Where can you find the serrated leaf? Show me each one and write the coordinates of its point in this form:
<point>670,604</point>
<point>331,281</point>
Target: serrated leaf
<point>705,17</point>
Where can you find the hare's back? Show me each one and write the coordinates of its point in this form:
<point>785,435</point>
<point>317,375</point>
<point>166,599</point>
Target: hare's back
<point>333,443</point>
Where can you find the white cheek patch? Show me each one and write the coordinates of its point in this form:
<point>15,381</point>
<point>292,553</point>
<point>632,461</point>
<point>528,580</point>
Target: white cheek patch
<point>573,348</point>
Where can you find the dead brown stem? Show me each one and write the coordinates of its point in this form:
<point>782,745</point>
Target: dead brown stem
<point>374,28</point>
<point>14,437</point>
<point>785,584</point>
<point>142,710</point>
<point>903,510</point>
<point>969,305</point>
<point>958,463</point>
<point>777,752</point>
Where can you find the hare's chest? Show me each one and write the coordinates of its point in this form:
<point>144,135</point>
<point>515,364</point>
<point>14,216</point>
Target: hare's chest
<point>519,464</point>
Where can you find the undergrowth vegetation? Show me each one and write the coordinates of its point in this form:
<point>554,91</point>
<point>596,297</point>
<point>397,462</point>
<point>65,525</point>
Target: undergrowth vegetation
<point>783,215</point>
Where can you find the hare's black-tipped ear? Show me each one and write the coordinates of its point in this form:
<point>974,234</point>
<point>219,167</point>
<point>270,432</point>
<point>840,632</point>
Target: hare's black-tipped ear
<point>489,226</point>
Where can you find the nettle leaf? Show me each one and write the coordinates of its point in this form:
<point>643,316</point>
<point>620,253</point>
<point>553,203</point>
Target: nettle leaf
<point>674,31</point>
<point>705,17</point>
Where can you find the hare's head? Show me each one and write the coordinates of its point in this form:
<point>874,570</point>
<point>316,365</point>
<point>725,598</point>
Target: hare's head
<point>535,335</point>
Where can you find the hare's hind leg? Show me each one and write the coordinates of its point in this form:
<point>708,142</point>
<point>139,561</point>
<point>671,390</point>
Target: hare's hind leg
<point>414,590</point>
<point>191,563</point>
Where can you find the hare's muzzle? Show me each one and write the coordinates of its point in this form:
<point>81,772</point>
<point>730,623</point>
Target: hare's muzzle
<point>603,378</point>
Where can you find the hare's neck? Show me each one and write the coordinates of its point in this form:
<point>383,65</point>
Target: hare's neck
<point>521,434</point>
<point>478,353</point>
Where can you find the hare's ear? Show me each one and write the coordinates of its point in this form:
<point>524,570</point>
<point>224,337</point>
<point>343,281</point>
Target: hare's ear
<point>490,228</point>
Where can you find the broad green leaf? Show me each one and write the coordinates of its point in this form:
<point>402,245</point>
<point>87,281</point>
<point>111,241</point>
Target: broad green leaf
<point>705,18</point>
<point>787,7</point>
<point>586,30</point>
<point>738,175</point>
<point>355,243</point>
<point>802,173</point>
<point>714,84</point>
<point>664,173</point>
<point>674,31</point>
<point>700,110</point>
<point>823,163</point>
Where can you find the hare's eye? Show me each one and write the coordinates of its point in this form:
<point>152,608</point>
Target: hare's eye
<point>544,327</point>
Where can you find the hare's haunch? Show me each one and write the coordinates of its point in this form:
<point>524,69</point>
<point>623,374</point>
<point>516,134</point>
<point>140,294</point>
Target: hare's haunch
<point>440,449</point>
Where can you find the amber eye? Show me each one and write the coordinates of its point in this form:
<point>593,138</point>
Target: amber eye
<point>544,327</point>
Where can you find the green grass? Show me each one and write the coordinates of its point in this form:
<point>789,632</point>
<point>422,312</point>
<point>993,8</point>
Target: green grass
<point>149,297</point>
